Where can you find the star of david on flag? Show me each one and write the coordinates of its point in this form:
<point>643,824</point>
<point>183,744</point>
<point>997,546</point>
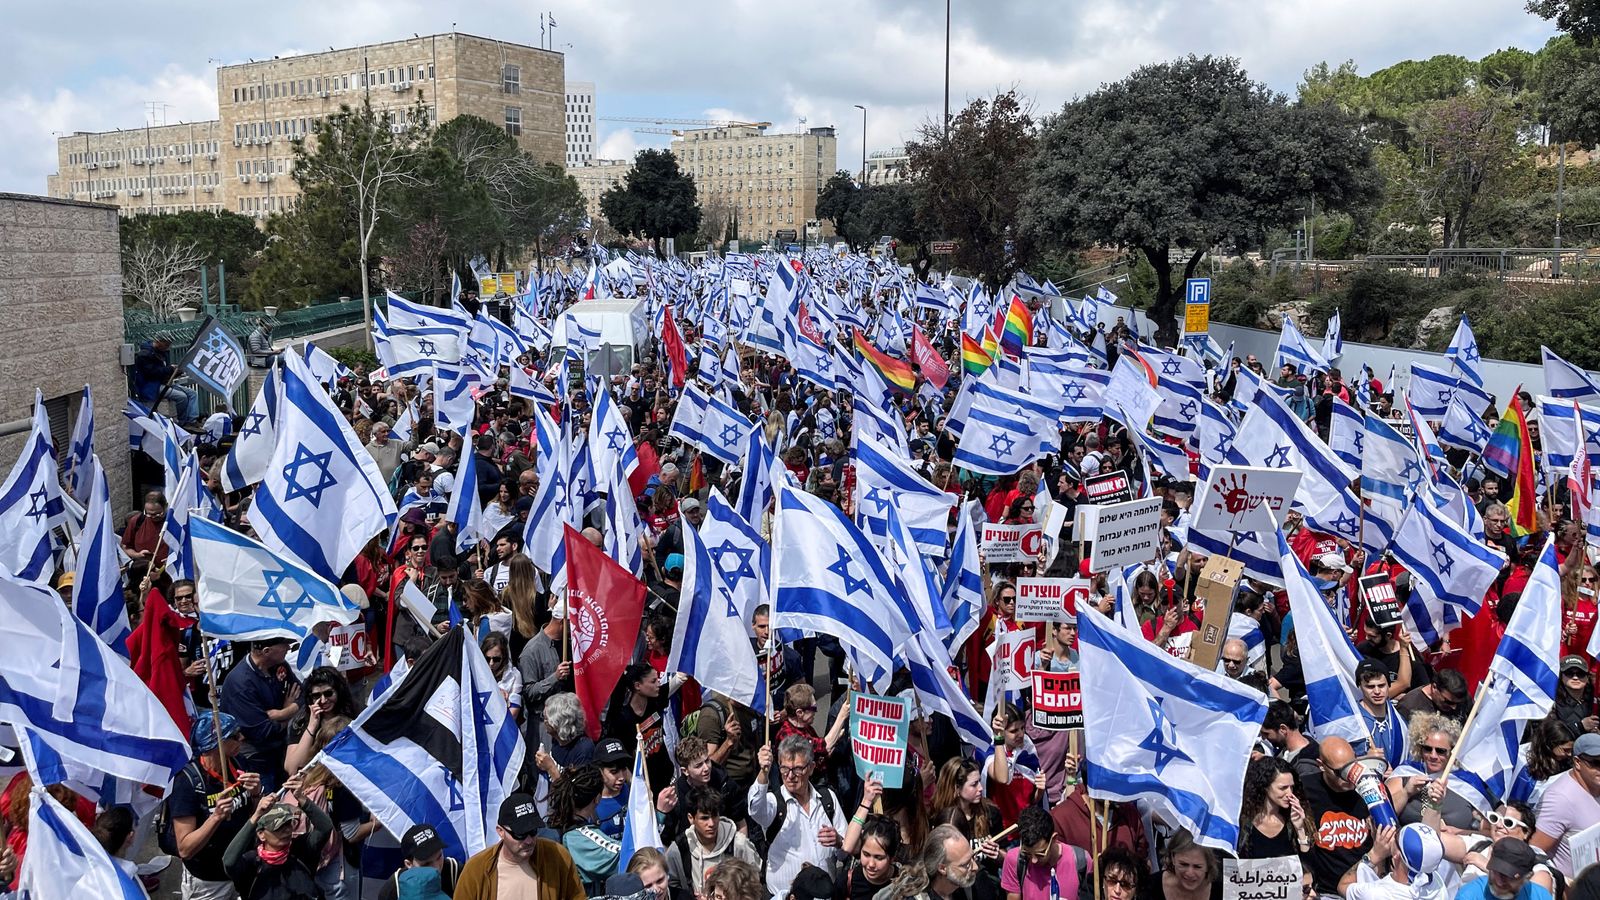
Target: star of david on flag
<point>247,592</point>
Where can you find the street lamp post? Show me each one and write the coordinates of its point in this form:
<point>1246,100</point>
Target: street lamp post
<point>863,144</point>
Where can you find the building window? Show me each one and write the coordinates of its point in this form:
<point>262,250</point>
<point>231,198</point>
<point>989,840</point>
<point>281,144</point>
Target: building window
<point>511,79</point>
<point>514,121</point>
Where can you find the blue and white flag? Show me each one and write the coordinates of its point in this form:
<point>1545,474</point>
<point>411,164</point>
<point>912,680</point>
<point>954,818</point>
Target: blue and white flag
<point>639,828</point>
<point>440,748</point>
<point>1254,549</point>
<point>962,594</point>
<point>875,422</point>
<point>829,579</point>
<point>430,332</point>
<point>247,459</point>
<point>75,473</point>
<point>31,503</point>
<point>1463,353</point>
<point>97,579</point>
<point>322,497</point>
<point>1462,429</point>
<point>1214,436</point>
<point>247,592</point>
<point>1521,687</point>
<point>885,480</point>
<point>1391,469</point>
<point>1565,381</point>
<point>1273,436</point>
<point>711,639</point>
<point>1449,567</point>
<point>610,441</point>
<point>996,441</point>
<point>78,695</point>
<point>741,556</point>
<point>623,539</point>
<point>1559,434</point>
<point>1294,350</point>
<point>1333,341</point>
<point>1166,733</point>
<point>710,423</point>
<point>1430,391</point>
<point>65,861</point>
<point>757,483</point>
<point>453,401</point>
<point>1181,384</point>
<point>464,511</point>
<point>1346,433</point>
<point>189,499</point>
<point>1326,653</point>
<point>553,503</point>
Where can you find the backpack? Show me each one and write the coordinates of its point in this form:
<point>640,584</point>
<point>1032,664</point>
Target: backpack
<point>166,837</point>
<point>1080,859</point>
<point>691,721</point>
<point>822,794</point>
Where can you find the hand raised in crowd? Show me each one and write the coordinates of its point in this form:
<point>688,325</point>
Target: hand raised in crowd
<point>195,669</point>
<point>1070,765</point>
<point>733,728</point>
<point>546,763</point>
<point>763,762</point>
<point>249,782</point>
<point>667,800</point>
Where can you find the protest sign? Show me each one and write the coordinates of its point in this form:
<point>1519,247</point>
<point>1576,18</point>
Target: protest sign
<point>1215,589</point>
<point>1585,848</point>
<point>215,361</point>
<point>1049,599</point>
<point>1057,701</point>
<point>879,729</point>
<point>1126,533</point>
<point>1382,604</point>
<point>1109,488</point>
<point>1012,543</point>
<point>1085,517</point>
<point>1274,878</point>
<point>349,647</point>
<point>1245,498</point>
<point>1054,521</point>
<point>1012,652</point>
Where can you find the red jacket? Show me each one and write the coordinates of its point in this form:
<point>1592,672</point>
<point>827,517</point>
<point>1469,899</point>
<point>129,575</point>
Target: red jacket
<point>153,648</point>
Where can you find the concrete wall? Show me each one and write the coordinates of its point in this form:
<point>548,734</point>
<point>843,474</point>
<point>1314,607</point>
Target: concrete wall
<point>61,300</point>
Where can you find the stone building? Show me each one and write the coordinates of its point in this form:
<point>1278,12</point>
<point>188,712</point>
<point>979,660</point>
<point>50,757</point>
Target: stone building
<point>596,178</point>
<point>580,123</point>
<point>770,181</point>
<point>242,160</point>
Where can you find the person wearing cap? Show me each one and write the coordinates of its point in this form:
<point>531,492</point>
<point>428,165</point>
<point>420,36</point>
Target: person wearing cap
<point>423,849</point>
<point>208,805</point>
<point>1575,705</point>
<point>1569,804</point>
<point>273,859</point>
<point>690,514</point>
<point>1511,819</point>
<point>1383,721</point>
<point>811,883</point>
<point>522,864</point>
<point>263,694</point>
<point>1406,864</point>
<point>1510,870</point>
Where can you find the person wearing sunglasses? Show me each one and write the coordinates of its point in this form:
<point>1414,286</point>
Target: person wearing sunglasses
<point>1579,609</point>
<point>1513,820</point>
<point>522,863</point>
<point>1414,784</point>
<point>1575,703</point>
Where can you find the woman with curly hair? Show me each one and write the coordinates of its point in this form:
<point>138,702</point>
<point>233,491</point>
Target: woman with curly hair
<point>573,797</point>
<point>1414,784</point>
<point>1271,818</point>
<point>734,879</point>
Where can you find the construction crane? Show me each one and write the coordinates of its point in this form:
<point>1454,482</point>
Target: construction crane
<point>701,123</point>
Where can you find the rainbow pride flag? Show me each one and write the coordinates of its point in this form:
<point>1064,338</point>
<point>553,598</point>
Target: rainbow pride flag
<point>894,371</point>
<point>1015,327</point>
<point>974,360</point>
<point>1509,454</point>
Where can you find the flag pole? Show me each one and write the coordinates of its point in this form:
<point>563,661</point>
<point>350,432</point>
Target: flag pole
<point>212,692</point>
<point>1466,729</point>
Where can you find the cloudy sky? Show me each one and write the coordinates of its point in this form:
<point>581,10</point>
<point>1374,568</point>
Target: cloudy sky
<point>76,65</point>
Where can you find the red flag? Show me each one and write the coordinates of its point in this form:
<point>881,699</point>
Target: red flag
<point>677,357</point>
<point>934,368</point>
<point>605,605</point>
<point>154,648</point>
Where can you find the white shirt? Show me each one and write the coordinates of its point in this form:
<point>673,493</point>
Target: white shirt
<point>796,843</point>
<point>1433,886</point>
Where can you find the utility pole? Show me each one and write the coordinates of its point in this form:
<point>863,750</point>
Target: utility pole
<point>946,68</point>
<point>1561,184</point>
<point>864,146</point>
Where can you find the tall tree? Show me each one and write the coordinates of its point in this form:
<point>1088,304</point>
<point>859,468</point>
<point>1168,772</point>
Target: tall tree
<point>1183,156</point>
<point>1579,18</point>
<point>840,202</point>
<point>369,156</point>
<point>656,200</point>
<point>970,181</point>
<point>1466,142</point>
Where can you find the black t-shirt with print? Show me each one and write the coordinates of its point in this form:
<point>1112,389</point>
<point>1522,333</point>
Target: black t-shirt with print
<point>1341,831</point>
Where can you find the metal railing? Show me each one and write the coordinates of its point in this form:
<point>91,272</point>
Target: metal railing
<point>140,325</point>
<point>1514,264</point>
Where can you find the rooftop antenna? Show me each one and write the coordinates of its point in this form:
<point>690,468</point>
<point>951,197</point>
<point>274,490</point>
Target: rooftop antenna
<point>155,113</point>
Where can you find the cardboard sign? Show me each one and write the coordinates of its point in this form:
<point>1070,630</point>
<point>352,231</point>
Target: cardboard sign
<point>1215,588</point>
<point>1057,701</point>
<point>1086,516</point>
<point>349,647</point>
<point>1049,599</point>
<point>1012,543</point>
<point>1276,878</point>
<point>879,730</point>
<point>1110,488</point>
<point>1126,533</point>
<point>1245,498</point>
<point>1585,848</point>
<point>1382,604</point>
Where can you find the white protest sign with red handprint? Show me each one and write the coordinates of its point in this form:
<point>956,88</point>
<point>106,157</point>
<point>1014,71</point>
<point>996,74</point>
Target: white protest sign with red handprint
<point>1245,498</point>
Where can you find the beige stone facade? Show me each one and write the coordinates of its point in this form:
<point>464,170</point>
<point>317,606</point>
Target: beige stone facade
<point>264,106</point>
<point>61,295</point>
<point>887,166</point>
<point>597,178</point>
<point>769,180</point>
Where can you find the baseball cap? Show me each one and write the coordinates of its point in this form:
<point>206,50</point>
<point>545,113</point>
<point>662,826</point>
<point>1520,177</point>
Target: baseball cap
<point>611,753</point>
<point>421,842</point>
<point>520,815</point>
<point>1370,667</point>
<point>1568,663</point>
<point>430,448</point>
<point>811,884</point>
<point>1323,584</point>
<point>1586,745</point>
<point>277,816</point>
<point>688,504</point>
<point>1511,857</point>
<point>1334,561</point>
<point>674,562</point>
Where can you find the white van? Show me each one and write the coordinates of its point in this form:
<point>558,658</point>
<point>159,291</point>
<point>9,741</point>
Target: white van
<point>624,329</point>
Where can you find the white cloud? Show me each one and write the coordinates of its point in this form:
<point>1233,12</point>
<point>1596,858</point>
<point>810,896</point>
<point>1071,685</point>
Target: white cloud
<point>618,144</point>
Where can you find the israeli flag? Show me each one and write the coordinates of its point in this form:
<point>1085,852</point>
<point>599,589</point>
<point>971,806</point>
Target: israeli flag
<point>758,482</point>
<point>610,440</point>
<point>1346,433</point>
<point>886,484</point>
<point>1521,687</point>
<point>1181,384</point>
<point>999,443</point>
<point>829,579</point>
<point>454,403</point>
<point>1430,391</point>
<point>1214,436</point>
<point>322,498</point>
<point>1326,653</point>
<point>1333,341</point>
<point>406,317</point>
<point>1391,470</point>
<point>1074,383</point>
<point>1294,350</point>
<point>639,827</point>
<point>1463,429</point>
<point>710,423</point>
<point>1450,567</point>
<point>247,592</point>
<point>1463,353</point>
<point>439,748</point>
<point>76,473</point>
<point>1260,558</point>
<point>875,422</point>
<point>97,576</point>
<point>711,640</point>
<point>65,861</point>
<point>741,556</point>
<point>553,502</point>
<point>1559,434</point>
<point>1166,733</point>
<point>464,511</point>
<point>247,459</point>
<point>187,499</point>
<point>78,695</point>
<point>624,528</point>
<point>1565,381</point>
<point>31,503</point>
<point>1273,436</point>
